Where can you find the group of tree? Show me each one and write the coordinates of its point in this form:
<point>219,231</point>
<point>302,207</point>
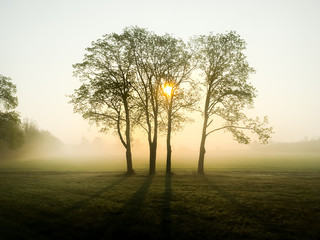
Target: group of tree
<point>138,79</point>
<point>35,143</point>
<point>38,143</point>
<point>20,139</point>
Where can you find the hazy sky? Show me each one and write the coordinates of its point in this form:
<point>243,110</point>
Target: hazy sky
<point>40,40</point>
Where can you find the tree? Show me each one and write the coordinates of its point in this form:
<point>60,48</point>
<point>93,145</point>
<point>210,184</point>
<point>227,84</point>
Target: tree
<point>37,142</point>
<point>146,49</point>
<point>228,92</point>
<point>159,60</point>
<point>10,125</point>
<point>179,91</point>
<point>11,134</point>
<point>177,98</point>
<point>105,96</point>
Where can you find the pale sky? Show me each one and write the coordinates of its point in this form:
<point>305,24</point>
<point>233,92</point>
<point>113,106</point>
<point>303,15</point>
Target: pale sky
<point>41,39</point>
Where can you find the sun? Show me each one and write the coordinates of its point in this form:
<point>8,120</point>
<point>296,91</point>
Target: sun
<point>167,89</point>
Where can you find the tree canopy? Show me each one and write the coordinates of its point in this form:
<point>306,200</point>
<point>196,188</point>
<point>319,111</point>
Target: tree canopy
<point>160,60</point>
<point>11,134</point>
<point>228,92</point>
<point>105,96</point>
<point>139,78</point>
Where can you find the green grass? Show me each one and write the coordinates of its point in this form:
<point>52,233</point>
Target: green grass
<point>235,162</point>
<point>109,205</point>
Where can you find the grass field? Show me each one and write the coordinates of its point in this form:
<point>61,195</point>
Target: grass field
<point>108,205</point>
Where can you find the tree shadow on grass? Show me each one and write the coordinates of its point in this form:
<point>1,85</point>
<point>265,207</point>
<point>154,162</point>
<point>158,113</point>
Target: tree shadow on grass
<point>135,203</point>
<point>166,221</point>
<point>244,210</point>
<point>61,224</point>
<point>124,223</point>
<point>86,200</point>
<point>130,222</point>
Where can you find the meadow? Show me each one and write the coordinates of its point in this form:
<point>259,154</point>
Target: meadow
<point>235,202</point>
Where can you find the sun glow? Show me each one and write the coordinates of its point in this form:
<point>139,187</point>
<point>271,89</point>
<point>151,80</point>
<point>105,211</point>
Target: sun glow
<point>167,89</point>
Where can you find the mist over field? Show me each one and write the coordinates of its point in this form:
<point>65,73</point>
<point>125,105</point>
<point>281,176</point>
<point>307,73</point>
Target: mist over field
<point>47,152</point>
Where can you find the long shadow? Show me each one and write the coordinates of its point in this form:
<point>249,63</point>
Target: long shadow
<point>85,201</point>
<point>127,223</point>
<point>57,225</point>
<point>135,203</point>
<point>166,223</point>
<point>243,209</point>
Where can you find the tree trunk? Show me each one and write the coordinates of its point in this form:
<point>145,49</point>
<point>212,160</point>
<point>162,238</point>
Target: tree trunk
<point>152,158</point>
<point>153,144</point>
<point>168,167</point>
<point>130,170</point>
<point>204,135</point>
<point>201,155</point>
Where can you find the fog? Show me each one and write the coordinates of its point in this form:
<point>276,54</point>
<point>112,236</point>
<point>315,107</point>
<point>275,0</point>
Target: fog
<point>43,151</point>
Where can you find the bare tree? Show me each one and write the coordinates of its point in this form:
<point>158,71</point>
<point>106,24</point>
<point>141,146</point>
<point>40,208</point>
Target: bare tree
<point>228,92</point>
<point>105,96</point>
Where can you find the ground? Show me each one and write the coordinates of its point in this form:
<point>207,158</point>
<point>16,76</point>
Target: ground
<point>109,205</point>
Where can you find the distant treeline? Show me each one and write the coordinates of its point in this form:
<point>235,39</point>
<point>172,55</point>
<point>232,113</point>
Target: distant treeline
<point>36,143</point>
<point>306,146</point>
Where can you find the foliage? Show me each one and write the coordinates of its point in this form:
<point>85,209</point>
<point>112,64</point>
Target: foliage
<point>10,129</point>
<point>36,143</point>
<point>105,97</point>
<point>124,76</point>
<point>228,92</point>
<point>11,134</point>
<point>38,138</point>
<point>8,90</point>
<point>159,60</point>
<point>184,99</point>
<point>106,73</point>
<point>151,54</point>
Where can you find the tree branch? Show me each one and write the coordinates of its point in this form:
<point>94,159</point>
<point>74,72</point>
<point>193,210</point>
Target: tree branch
<point>217,129</point>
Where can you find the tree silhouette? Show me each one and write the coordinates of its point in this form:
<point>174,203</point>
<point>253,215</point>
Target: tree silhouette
<point>10,125</point>
<point>139,77</point>
<point>156,58</point>
<point>226,71</point>
<point>146,86</point>
<point>159,60</point>
<point>105,96</point>
<point>179,90</point>
<point>178,99</point>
